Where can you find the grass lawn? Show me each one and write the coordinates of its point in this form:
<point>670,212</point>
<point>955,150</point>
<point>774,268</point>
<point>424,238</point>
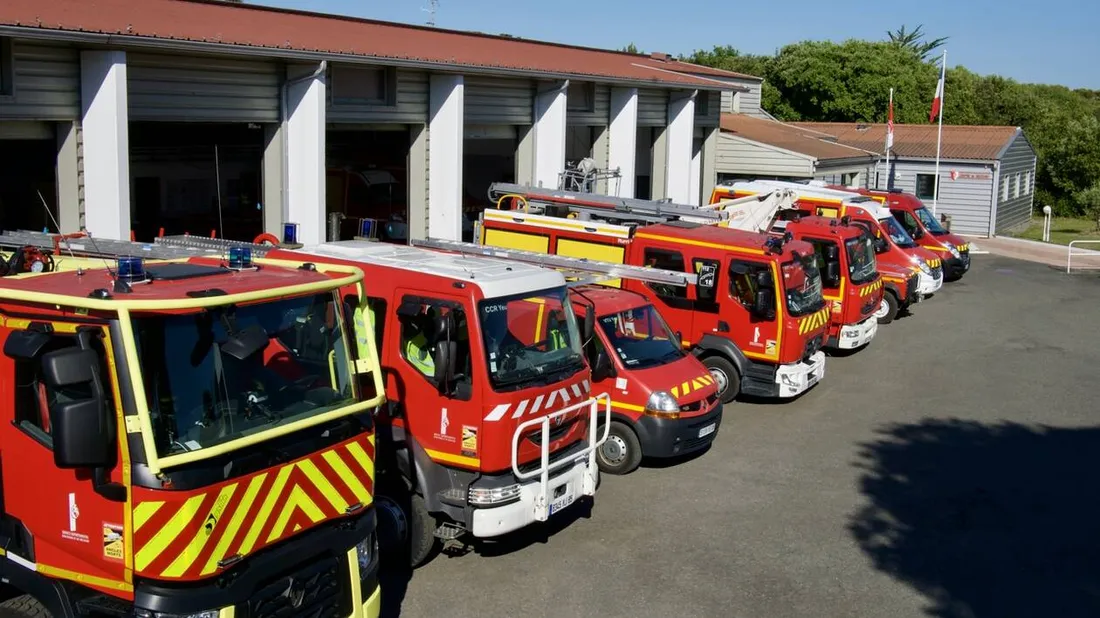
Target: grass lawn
<point>1062,230</point>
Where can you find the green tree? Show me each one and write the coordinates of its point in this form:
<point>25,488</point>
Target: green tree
<point>913,40</point>
<point>631,48</point>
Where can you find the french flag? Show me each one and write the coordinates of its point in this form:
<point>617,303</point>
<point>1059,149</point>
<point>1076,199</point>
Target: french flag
<point>937,102</point>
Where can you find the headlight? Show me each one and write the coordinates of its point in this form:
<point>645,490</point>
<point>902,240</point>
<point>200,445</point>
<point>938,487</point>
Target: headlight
<point>662,404</point>
<point>483,496</point>
<point>365,552</point>
<point>952,249</point>
<point>923,266</point>
<point>144,613</point>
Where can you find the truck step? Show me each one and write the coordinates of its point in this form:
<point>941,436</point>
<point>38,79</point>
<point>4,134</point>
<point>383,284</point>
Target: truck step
<point>102,605</point>
<point>449,532</point>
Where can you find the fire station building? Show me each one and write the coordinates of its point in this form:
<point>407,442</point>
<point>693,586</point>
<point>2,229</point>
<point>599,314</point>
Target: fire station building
<point>137,116</point>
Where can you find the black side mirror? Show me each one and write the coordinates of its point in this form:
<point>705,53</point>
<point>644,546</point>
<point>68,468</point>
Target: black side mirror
<point>831,253</point>
<point>880,245</point>
<point>764,304</point>
<point>82,427</point>
<point>763,279</point>
<point>247,342</point>
<point>601,366</point>
<point>832,273</point>
<point>445,352</point>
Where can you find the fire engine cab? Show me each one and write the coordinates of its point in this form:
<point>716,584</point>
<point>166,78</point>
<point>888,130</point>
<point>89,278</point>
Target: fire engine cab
<point>756,317</point>
<point>182,436</point>
<point>664,402</point>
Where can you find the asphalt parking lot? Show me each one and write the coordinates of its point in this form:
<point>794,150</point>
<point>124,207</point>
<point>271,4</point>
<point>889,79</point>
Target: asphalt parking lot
<point>947,470</point>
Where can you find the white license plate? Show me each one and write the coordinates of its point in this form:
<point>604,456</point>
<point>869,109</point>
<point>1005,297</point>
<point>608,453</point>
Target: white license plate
<point>706,431</point>
<point>562,501</point>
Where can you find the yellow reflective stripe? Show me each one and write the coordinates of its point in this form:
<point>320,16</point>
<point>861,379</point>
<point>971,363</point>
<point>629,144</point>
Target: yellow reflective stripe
<point>700,243</point>
<point>198,542</point>
<point>629,406</point>
<point>234,524</point>
<point>361,458</point>
<point>345,474</point>
<point>90,580</point>
<point>168,533</point>
<point>143,512</point>
<point>265,510</point>
<point>296,500</point>
<point>323,485</point>
<point>455,459</point>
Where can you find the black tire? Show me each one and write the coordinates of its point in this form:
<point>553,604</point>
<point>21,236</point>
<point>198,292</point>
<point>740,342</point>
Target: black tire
<point>724,372</point>
<point>405,527</point>
<point>622,452</point>
<point>23,607</point>
<point>888,308</point>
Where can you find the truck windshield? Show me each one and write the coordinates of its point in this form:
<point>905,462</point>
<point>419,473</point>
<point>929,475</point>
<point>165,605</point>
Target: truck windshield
<point>236,371</point>
<point>897,233</point>
<point>641,338</point>
<point>929,222</point>
<point>861,259</point>
<point>530,338</point>
<point>802,284</point>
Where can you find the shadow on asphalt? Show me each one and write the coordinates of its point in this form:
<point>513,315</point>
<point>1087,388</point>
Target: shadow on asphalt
<point>986,521</point>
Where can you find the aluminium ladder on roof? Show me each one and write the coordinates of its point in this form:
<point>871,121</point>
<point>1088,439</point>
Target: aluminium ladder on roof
<point>597,270</point>
<point>608,206</point>
<point>87,246</point>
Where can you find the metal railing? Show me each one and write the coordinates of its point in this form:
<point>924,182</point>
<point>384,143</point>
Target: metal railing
<point>542,502</point>
<point>1087,252</point>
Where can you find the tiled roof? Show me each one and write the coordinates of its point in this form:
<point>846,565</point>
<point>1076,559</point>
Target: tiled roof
<point>697,69</point>
<point>246,25</point>
<point>787,137</point>
<point>980,143</point>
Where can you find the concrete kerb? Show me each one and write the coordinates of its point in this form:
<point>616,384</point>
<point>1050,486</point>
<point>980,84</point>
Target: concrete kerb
<point>1035,251</point>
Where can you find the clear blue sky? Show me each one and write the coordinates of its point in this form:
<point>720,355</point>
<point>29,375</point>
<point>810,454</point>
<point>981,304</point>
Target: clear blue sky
<point>1050,41</point>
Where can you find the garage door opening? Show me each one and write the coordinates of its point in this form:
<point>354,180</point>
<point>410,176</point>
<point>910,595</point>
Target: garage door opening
<point>488,156</point>
<point>28,168</point>
<point>366,183</point>
<point>643,163</point>
<point>196,178</point>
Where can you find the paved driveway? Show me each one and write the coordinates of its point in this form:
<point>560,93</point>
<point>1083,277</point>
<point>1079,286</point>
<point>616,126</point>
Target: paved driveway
<point>947,470</point>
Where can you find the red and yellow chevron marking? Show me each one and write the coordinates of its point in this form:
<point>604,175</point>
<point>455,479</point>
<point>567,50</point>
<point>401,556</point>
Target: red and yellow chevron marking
<point>933,262</point>
<point>813,321</point>
<point>693,384</point>
<point>870,289</point>
<point>183,535</point>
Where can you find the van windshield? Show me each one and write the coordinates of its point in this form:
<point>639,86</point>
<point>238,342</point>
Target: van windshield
<point>897,233</point>
<point>641,338</point>
<point>802,287</point>
<point>530,339</point>
<point>929,222</point>
<point>229,372</point>
<point>861,259</point>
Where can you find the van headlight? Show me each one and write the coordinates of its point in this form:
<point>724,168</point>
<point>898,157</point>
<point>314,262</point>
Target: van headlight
<point>485,496</point>
<point>952,249</point>
<point>662,404</point>
<point>923,266</point>
<point>145,613</point>
<point>365,552</point>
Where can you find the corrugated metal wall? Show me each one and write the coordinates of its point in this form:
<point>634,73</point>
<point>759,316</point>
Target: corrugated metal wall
<point>411,104</point>
<point>708,106</point>
<point>966,199</point>
<point>601,111</point>
<point>80,170</point>
<point>499,100</point>
<point>652,108</point>
<point>742,158</point>
<point>1018,163</point>
<point>195,88</point>
<point>748,102</point>
<point>46,83</point>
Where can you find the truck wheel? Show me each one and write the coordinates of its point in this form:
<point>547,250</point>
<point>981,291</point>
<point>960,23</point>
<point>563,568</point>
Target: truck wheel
<point>23,607</point>
<point>887,308</point>
<point>622,452</point>
<point>406,529</point>
<point>725,377</point>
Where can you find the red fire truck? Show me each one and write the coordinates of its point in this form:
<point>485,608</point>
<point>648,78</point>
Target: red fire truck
<point>845,256</point>
<point>664,402</point>
<point>490,423</point>
<point>897,256</point>
<point>756,317</point>
<point>911,213</point>
<point>183,437</point>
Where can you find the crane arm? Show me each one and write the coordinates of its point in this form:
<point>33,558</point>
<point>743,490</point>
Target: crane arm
<point>755,213</point>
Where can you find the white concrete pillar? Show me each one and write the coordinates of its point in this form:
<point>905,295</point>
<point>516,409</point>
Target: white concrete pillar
<point>695,178</point>
<point>658,172</point>
<point>305,152</point>
<point>105,120</point>
<point>68,178</point>
<point>525,155</point>
<point>622,137</point>
<point>710,162</point>
<point>273,181</point>
<point>418,182</point>
<point>678,137</point>
<point>550,106</point>
<point>445,129</point>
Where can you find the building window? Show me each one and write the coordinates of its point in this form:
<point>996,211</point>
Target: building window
<point>1016,192</point>
<point>1004,189</point>
<point>1027,183</point>
<point>926,186</point>
<point>702,104</point>
<point>736,104</point>
<point>7,68</point>
<point>581,97</point>
<point>353,85</point>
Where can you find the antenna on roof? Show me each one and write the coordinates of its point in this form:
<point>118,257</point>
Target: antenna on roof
<point>433,6</point>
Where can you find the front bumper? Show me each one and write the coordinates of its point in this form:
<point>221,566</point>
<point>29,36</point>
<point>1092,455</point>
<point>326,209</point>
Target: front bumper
<point>665,437</point>
<point>854,336</point>
<point>373,606</point>
<point>564,487</point>
<point>957,267</point>
<point>930,284</point>
<point>794,379</point>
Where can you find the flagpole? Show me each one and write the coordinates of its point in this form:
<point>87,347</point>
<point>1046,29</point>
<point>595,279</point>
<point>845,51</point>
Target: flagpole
<point>889,136</point>
<point>939,132</point>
